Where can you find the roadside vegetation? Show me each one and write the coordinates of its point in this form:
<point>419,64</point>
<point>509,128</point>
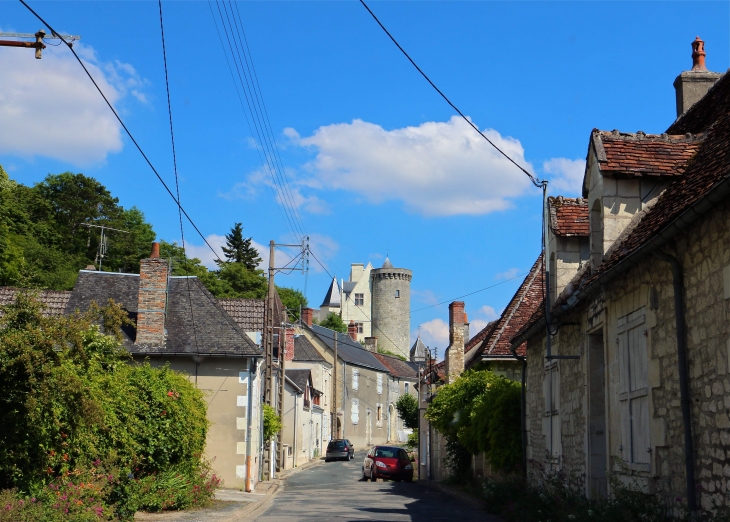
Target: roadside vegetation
<point>88,434</point>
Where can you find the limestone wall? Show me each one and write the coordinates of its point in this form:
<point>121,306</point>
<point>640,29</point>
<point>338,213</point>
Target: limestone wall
<point>391,314</point>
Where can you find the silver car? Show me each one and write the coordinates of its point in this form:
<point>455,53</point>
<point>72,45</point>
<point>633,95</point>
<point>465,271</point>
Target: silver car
<point>339,449</point>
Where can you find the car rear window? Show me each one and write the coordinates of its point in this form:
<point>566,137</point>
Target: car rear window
<point>336,444</point>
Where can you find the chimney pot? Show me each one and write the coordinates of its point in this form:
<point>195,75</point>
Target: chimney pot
<point>155,250</point>
<point>698,55</point>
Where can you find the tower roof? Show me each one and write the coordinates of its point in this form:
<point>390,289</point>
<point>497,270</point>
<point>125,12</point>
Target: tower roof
<point>418,350</point>
<point>387,263</point>
<point>333,295</point>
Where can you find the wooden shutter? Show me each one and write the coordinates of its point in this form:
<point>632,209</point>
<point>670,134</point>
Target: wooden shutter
<point>355,379</point>
<point>634,390</point>
<point>355,417</point>
<point>380,383</point>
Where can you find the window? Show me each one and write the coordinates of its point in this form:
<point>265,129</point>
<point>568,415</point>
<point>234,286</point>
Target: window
<point>359,299</point>
<point>359,328</point>
<point>355,411</point>
<point>380,386</point>
<point>551,421</point>
<point>405,387</point>
<point>634,390</point>
<point>397,293</point>
<point>355,379</point>
<point>379,416</point>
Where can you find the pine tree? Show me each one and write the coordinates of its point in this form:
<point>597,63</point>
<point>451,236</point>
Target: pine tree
<point>239,249</point>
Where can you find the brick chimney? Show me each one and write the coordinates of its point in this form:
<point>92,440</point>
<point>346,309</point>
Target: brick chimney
<point>152,300</point>
<point>371,344</point>
<point>352,330</point>
<point>289,353</point>
<point>692,85</point>
<point>307,314</point>
<point>466,329</point>
<point>454,361</point>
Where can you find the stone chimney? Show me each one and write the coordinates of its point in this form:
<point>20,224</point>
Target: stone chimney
<point>371,344</point>
<point>152,300</point>
<point>352,330</point>
<point>454,360</point>
<point>692,85</point>
<point>466,329</point>
<point>289,350</point>
<point>307,314</point>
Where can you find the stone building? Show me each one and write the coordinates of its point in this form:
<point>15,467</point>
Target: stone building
<point>642,327</point>
<point>376,301</point>
<point>402,380</point>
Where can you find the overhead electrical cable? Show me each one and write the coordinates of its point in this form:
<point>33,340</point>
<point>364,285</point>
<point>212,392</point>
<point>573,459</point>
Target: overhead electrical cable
<point>126,129</point>
<point>177,186</point>
<point>533,179</point>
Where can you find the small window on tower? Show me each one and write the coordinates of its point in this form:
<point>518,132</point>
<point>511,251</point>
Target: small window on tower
<point>359,299</point>
<point>397,293</point>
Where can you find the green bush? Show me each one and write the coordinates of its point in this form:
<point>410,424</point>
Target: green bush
<point>412,442</point>
<point>74,403</point>
<point>407,406</point>
<point>272,423</point>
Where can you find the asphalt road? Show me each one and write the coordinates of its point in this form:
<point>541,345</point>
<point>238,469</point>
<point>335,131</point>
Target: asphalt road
<point>336,491</point>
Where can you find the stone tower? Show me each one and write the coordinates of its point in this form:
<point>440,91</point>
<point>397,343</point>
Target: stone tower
<point>391,307</point>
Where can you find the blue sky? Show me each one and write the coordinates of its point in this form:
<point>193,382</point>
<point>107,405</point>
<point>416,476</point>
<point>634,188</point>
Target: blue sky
<point>375,160</point>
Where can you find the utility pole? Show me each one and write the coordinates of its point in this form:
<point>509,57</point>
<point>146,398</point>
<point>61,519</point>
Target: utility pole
<point>38,45</point>
<point>269,327</point>
<point>334,390</point>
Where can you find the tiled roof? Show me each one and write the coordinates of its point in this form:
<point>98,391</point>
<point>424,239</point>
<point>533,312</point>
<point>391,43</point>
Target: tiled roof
<point>195,321</point>
<point>248,313</point>
<point>709,168</point>
<point>54,300</point>
<point>397,367</point>
<point>418,350</point>
<point>518,312</point>
<point>569,216</point>
<point>299,377</point>
<point>643,154</point>
<point>350,351</point>
<point>305,351</point>
<point>332,298</point>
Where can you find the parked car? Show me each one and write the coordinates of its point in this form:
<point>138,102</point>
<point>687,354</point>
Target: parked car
<point>339,449</point>
<point>387,462</point>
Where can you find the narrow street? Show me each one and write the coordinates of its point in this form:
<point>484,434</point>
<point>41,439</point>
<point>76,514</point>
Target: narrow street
<point>336,491</point>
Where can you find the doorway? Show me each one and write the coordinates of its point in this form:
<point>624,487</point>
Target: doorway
<point>597,484</point>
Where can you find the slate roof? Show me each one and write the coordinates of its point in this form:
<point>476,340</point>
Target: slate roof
<point>305,351</point>
<point>348,286</point>
<point>333,295</point>
<point>708,170</point>
<point>418,350</point>
<point>640,154</point>
<point>497,342</point>
<point>348,350</point>
<point>569,216</point>
<point>397,367</point>
<point>195,321</point>
<point>248,313</point>
<point>299,377</point>
<point>54,300</point>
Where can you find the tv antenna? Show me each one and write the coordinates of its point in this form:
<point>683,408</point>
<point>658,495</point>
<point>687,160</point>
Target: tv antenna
<point>103,241</point>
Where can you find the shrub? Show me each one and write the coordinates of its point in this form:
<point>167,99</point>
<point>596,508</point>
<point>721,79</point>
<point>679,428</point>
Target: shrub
<point>407,406</point>
<point>412,442</point>
<point>272,423</point>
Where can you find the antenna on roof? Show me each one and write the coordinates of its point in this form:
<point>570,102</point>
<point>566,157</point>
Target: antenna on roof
<point>103,241</point>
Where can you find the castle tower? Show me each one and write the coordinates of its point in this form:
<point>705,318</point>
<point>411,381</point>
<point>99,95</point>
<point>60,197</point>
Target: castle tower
<point>391,308</point>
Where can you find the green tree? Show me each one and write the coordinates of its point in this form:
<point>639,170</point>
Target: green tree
<point>407,406</point>
<point>292,299</point>
<point>272,423</point>
<point>240,250</point>
<point>248,284</point>
<point>334,322</point>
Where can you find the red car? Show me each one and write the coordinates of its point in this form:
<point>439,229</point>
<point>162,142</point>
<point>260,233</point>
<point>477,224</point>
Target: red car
<point>387,462</point>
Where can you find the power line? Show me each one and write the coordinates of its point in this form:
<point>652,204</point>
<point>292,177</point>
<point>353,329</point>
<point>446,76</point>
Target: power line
<point>129,134</point>
<point>177,184</point>
<point>534,180</point>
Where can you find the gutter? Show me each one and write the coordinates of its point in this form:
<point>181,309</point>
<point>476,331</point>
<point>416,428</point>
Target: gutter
<point>716,195</point>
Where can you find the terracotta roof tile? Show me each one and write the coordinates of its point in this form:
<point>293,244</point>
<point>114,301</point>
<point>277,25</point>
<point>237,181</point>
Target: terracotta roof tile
<point>569,216</point>
<point>397,367</point>
<point>634,155</point>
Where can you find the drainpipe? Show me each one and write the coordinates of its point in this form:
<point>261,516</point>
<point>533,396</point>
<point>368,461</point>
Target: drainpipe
<point>689,459</point>
<point>523,407</point>
<point>249,423</point>
<point>296,422</point>
<point>344,398</point>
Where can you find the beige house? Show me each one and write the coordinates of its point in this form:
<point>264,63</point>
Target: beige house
<point>402,380</point>
<point>179,322</point>
<point>636,382</point>
<point>351,300</point>
<point>303,418</point>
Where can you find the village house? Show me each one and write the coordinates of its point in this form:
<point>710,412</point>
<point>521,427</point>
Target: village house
<point>303,420</point>
<point>177,321</point>
<point>635,382</point>
<point>402,380</point>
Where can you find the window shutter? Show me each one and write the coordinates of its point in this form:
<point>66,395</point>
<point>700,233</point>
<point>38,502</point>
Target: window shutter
<point>355,411</point>
<point>380,383</point>
<point>355,379</point>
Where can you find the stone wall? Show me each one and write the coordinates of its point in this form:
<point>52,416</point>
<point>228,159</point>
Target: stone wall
<point>390,314</point>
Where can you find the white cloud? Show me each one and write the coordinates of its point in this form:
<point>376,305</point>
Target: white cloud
<point>488,312</point>
<point>435,169</point>
<point>435,335</point>
<point>50,108</point>
<point>508,274</point>
<point>426,297</point>
<point>567,176</point>
<point>476,326</point>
